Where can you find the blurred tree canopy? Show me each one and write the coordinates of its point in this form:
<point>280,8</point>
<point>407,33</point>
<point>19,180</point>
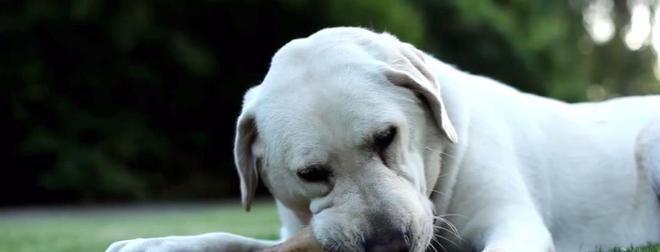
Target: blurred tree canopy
<point>136,99</point>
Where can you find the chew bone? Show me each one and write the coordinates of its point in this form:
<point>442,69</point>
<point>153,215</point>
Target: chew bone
<point>303,241</point>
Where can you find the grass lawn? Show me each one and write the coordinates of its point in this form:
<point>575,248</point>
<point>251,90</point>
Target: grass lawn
<point>94,228</point>
<point>649,248</point>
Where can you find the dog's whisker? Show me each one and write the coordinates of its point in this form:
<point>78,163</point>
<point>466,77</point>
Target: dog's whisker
<point>458,238</point>
<point>442,219</point>
<point>449,224</point>
<point>451,215</point>
<point>441,246</point>
<point>451,228</point>
<point>432,247</point>
<point>448,231</point>
<point>447,239</point>
<point>431,243</point>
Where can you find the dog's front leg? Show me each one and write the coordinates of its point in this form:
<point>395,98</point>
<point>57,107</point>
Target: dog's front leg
<point>211,242</point>
<point>216,242</point>
<point>513,229</point>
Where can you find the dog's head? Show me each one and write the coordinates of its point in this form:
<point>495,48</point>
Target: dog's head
<point>341,131</point>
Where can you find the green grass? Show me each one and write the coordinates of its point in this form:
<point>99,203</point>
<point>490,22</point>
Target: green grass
<point>93,229</point>
<point>649,248</point>
<point>90,230</point>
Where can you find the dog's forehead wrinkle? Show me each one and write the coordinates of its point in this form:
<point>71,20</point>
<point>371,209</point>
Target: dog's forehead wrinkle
<point>325,113</point>
<point>296,150</point>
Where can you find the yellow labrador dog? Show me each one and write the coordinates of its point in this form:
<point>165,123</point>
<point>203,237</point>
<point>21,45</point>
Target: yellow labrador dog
<point>378,146</point>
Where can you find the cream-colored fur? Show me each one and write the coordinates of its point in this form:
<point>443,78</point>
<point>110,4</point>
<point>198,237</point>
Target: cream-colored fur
<point>510,171</point>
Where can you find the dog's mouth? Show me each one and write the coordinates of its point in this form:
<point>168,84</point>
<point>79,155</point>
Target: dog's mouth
<point>390,223</point>
<point>378,240</point>
<point>390,246</point>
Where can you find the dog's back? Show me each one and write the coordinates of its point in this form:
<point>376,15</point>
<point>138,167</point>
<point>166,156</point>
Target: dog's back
<point>641,113</point>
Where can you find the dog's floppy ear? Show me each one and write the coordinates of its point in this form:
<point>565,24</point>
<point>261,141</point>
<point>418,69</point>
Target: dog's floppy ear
<point>410,70</point>
<point>247,149</point>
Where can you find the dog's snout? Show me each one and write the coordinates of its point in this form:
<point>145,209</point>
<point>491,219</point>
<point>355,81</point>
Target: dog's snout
<point>387,241</point>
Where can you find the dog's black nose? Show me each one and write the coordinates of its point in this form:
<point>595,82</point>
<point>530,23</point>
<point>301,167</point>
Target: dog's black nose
<point>387,241</point>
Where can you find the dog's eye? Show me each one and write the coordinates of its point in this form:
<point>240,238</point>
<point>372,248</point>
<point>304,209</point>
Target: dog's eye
<point>314,173</point>
<point>383,139</point>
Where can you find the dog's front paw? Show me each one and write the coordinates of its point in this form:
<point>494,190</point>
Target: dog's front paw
<point>215,242</point>
<point>146,245</point>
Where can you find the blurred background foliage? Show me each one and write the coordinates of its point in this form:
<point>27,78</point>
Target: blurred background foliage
<point>136,99</point>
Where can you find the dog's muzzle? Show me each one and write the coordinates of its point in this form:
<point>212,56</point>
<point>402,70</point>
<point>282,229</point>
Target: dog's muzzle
<point>387,240</point>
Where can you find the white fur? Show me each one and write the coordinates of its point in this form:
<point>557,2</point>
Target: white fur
<point>511,171</point>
